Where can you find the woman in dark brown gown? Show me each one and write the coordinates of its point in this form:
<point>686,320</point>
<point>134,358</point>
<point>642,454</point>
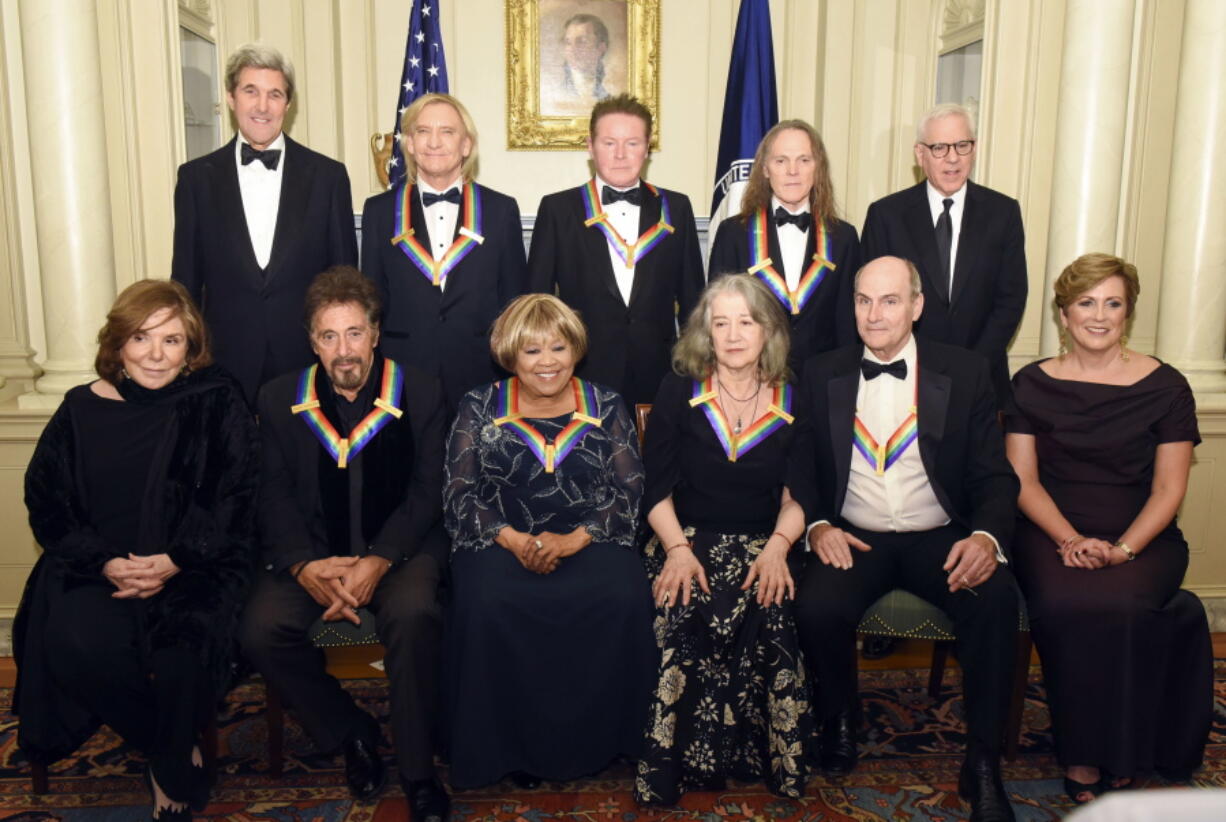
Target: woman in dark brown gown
<point>1101,438</point>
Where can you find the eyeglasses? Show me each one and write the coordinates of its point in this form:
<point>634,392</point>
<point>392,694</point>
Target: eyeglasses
<point>961,148</point>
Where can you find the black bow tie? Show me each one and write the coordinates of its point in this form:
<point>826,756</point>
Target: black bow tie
<point>872,370</point>
<point>634,196</point>
<point>451,195</point>
<point>269,156</point>
<point>802,220</point>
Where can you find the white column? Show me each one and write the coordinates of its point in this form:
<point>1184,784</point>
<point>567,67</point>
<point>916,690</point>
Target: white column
<point>59,40</point>
<point>1192,311</point>
<point>1091,122</point>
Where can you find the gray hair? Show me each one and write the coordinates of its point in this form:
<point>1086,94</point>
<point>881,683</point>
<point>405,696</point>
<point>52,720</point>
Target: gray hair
<point>694,353</point>
<point>259,56</point>
<point>917,287</point>
<point>940,112</point>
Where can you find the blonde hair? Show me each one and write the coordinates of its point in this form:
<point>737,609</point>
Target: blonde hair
<point>468,169</point>
<point>694,353</point>
<point>533,317</point>
<point>757,194</point>
<point>1087,271</point>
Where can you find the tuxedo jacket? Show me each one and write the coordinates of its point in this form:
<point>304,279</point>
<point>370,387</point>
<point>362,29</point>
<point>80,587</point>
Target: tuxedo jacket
<point>629,346</point>
<point>828,319</point>
<point>254,315</point>
<point>960,442</point>
<point>989,284</point>
<point>445,332</point>
<point>291,517</point>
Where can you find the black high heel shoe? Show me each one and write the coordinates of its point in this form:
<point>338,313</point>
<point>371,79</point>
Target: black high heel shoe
<point>1074,789</point>
<point>201,788</point>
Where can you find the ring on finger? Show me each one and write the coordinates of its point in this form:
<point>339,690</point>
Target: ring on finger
<point>539,545</point>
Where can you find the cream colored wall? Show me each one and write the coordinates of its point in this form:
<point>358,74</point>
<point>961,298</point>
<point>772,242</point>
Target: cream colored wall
<point>861,70</point>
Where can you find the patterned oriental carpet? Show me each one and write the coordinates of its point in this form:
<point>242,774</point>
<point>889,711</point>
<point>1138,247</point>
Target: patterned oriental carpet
<point>908,770</point>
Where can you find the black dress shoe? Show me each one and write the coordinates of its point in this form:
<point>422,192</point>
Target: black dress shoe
<point>980,785</point>
<point>427,798</point>
<point>525,781</point>
<point>838,742</point>
<point>878,647</point>
<point>364,769</point>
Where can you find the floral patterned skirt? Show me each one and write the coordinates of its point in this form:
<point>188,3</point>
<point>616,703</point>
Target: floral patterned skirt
<point>733,697</point>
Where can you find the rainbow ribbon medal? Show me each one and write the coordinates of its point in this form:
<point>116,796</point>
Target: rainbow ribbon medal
<point>342,449</point>
<point>630,255</point>
<point>585,418</point>
<point>778,414</point>
<point>469,236</point>
<point>764,268</point>
<point>881,457</point>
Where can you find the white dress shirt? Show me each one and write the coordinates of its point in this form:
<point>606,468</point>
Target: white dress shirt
<point>261,193</point>
<point>624,217</point>
<point>440,219</point>
<point>792,242</point>
<point>936,204</point>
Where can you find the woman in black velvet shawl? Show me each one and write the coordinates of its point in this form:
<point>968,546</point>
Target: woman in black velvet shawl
<point>141,493</point>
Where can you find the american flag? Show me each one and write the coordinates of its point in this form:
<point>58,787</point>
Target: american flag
<point>425,71</point>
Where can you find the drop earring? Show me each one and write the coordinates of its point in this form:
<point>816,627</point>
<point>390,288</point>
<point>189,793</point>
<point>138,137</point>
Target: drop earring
<point>1124,348</point>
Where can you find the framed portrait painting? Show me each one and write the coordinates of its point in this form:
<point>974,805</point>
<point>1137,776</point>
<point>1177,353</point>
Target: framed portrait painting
<point>563,56</point>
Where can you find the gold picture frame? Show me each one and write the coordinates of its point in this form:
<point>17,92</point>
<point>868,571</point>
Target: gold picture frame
<point>548,102</point>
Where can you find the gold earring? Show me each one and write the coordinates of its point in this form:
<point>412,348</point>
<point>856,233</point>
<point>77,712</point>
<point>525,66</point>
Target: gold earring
<point>1124,347</point>
<point>1063,345</point>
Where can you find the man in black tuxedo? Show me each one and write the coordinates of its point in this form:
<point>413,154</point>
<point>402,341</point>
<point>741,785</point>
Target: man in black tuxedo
<point>967,241</point>
<point>443,281</point>
<point>928,511</point>
<point>353,519</point>
<point>621,252</point>
<point>255,221</point>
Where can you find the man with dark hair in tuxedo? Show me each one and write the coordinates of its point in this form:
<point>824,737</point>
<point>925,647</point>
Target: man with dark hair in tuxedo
<point>351,517</point>
<point>900,467</point>
<point>255,221</point>
<point>621,252</point>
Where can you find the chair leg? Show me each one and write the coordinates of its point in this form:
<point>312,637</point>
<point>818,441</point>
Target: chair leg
<point>1017,700</point>
<point>38,777</point>
<point>940,654</point>
<point>276,729</point>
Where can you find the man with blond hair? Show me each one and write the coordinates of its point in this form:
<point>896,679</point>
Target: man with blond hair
<point>255,221</point>
<point>445,252</point>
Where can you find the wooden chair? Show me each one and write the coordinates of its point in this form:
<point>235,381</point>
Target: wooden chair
<point>903,615</point>
<point>350,651</point>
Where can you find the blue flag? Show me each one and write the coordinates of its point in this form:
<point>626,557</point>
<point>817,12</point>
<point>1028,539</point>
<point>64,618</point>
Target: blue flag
<point>751,107</point>
<point>425,71</point>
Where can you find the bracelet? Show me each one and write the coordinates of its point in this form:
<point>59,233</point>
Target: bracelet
<point>1123,546</point>
<point>679,545</point>
<point>785,537</point>
<point>294,573</point>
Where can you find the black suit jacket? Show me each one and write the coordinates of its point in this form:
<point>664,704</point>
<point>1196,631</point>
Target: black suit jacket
<point>960,441</point>
<point>445,332</point>
<point>629,347</point>
<point>828,320</point>
<point>989,285</point>
<point>291,519</point>
<point>255,315</point>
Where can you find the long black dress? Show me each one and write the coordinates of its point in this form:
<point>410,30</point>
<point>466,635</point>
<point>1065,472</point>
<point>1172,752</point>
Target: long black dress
<point>1126,655</point>
<point>548,674</point>
<point>732,698</point>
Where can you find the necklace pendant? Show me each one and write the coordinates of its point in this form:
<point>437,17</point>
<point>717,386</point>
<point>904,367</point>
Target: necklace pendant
<point>736,429</point>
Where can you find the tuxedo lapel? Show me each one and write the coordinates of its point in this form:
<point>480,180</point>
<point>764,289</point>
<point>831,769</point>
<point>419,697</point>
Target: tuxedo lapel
<point>597,250</point>
<point>228,194</point>
<point>649,215</point>
<point>841,405</point>
<point>918,219</point>
<point>970,239</point>
<point>291,211</point>
<point>933,409</point>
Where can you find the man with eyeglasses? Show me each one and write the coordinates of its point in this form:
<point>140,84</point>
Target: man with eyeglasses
<point>966,240</point>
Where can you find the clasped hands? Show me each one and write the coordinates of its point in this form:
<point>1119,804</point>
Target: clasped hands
<point>970,562</point>
<point>139,577</point>
<point>342,584</point>
<point>1090,554</point>
<point>541,553</point>
<point>681,569</point>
